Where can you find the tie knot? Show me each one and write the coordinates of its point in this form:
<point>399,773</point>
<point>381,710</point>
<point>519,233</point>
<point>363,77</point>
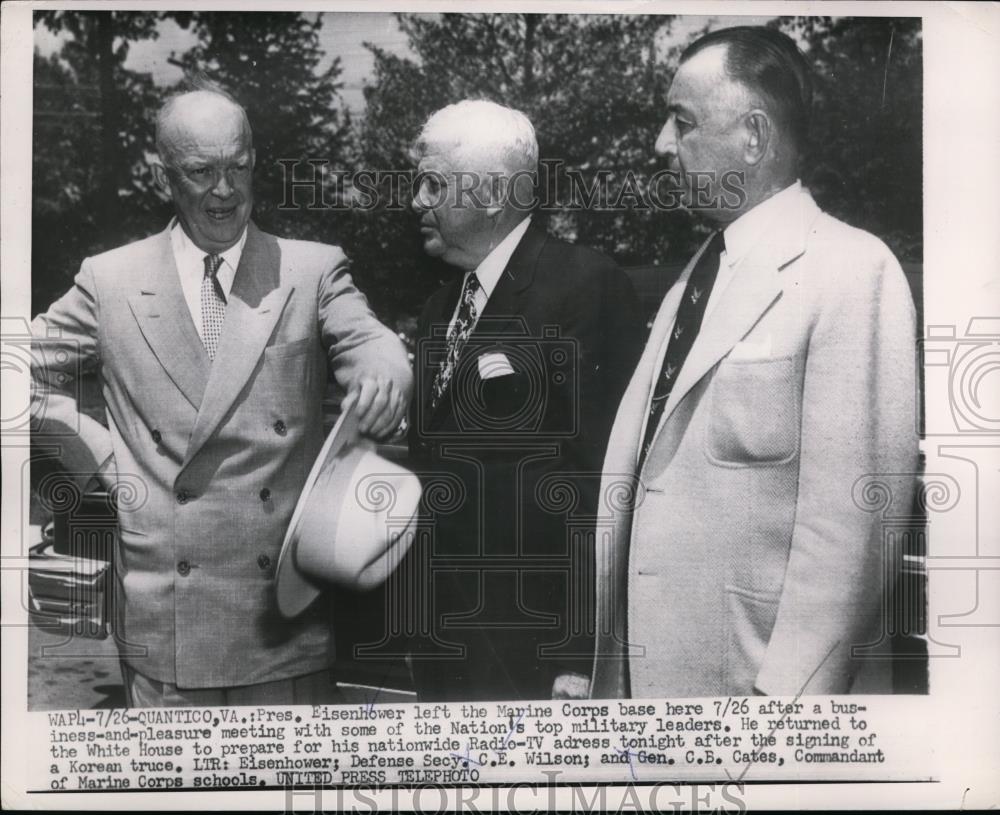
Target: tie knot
<point>212,264</point>
<point>472,282</point>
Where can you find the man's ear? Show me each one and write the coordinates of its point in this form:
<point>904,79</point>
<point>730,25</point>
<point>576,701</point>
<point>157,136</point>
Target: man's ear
<point>160,175</point>
<point>253,159</point>
<point>495,194</point>
<point>759,134</point>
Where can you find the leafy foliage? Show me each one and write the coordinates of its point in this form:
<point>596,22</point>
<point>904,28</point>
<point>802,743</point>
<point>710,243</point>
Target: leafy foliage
<point>270,62</point>
<point>593,85</point>
<point>865,160</point>
<point>91,185</point>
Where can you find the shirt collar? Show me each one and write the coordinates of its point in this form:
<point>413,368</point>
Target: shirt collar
<point>194,258</point>
<point>489,270</point>
<point>744,232</point>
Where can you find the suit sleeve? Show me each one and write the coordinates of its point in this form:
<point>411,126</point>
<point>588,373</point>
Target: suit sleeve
<point>357,343</point>
<point>858,426</point>
<point>603,319</point>
<point>65,346</point>
<point>605,322</point>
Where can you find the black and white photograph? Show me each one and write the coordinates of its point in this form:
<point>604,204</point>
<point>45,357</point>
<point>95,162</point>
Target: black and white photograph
<point>403,403</point>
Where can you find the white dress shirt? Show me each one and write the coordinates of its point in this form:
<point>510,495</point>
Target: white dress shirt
<point>190,262</point>
<point>489,270</point>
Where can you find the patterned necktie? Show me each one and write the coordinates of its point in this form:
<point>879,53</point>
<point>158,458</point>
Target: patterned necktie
<point>213,305</point>
<point>686,326</point>
<point>465,321</point>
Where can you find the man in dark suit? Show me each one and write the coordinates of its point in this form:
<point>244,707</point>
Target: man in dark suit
<point>520,363</point>
<point>213,342</point>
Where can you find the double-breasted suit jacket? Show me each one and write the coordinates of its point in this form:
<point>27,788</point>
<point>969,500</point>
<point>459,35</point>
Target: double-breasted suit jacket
<point>214,453</point>
<point>520,436</point>
<point>748,558</point>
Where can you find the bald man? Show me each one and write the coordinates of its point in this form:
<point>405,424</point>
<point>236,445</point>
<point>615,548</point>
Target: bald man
<point>213,342</point>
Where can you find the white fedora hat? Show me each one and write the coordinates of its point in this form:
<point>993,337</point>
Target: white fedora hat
<point>353,522</point>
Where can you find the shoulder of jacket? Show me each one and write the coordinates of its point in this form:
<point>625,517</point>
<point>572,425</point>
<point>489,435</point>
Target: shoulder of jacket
<point>122,257</point>
<point>579,264</point>
<point>310,251</point>
<point>853,241</point>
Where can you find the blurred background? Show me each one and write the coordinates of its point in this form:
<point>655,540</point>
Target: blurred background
<point>354,88</point>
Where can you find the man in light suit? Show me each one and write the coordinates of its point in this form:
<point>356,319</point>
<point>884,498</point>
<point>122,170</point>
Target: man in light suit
<point>521,360</point>
<point>778,378</point>
<point>213,342</point>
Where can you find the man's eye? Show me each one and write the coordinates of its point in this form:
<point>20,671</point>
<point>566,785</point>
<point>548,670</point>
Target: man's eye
<point>199,172</point>
<point>684,127</point>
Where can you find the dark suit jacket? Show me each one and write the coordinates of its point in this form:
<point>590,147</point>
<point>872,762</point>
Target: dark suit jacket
<point>511,461</point>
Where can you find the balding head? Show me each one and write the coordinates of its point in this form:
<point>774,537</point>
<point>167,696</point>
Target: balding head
<point>736,116</point>
<point>199,115</point>
<point>204,142</point>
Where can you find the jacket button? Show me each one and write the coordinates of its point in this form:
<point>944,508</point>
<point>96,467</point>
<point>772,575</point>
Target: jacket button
<point>265,494</point>
<point>183,568</point>
<point>183,497</point>
<point>263,561</point>
<point>279,427</point>
<point>157,438</point>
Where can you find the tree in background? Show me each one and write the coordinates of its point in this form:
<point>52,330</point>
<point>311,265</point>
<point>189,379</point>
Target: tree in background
<point>593,85</point>
<point>590,85</point>
<point>270,61</point>
<point>91,188</point>
<point>865,159</point>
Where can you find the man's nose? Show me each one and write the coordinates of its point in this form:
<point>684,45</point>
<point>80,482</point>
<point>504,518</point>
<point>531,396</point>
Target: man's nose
<point>223,186</point>
<point>666,142</point>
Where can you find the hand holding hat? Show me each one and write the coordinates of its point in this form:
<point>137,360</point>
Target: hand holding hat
<point>353,523</point>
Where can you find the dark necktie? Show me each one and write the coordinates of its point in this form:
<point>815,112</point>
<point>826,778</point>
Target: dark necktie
<point>213,305</point>
<point>465,321</point>
<point>690,313</point>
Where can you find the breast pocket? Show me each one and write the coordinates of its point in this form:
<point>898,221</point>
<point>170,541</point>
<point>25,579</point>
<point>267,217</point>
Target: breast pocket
<point>754,413</point>
<point>289,349</point>
<point>285,379</point>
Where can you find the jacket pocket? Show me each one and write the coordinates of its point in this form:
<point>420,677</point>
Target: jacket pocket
<point>289,349</point>
<point>754,413</point>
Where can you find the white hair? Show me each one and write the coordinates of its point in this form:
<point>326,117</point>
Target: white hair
<point>481,135</point>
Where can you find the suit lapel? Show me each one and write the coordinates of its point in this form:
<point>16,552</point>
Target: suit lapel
<point>755,286</point>
<point>505,303</point>
<point>165,321</point>
<point>613,530</point>
<point>256,302</point>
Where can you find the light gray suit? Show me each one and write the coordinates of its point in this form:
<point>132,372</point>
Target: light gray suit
<point>219,449</point>
<point>748,560</point>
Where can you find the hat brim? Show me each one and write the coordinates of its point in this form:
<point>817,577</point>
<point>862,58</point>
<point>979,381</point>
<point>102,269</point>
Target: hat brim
<point>294,591</point>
